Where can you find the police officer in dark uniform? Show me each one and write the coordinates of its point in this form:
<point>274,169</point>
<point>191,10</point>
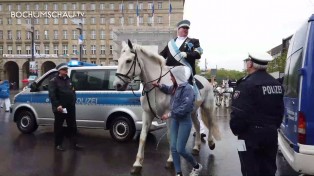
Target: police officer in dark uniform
<point>63,98</point>
<point>257,111</point>
<point>183,50</point>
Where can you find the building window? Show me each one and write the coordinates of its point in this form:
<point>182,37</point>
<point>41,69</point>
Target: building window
<point>36,34</point>
<point>74,34</point>
<point>37,49</point>
<point>28,49</point>
<point>9,21</point>
<point>28,21</point>
<point>1,49</point>
<point>111,34</point>
<point>111,6</point>
<point>121,20</point>
<point>18,21</point>
<point>36,21</point>
<point>28,35</point>
<point>102,20</point>
<point>1,10</point>
<point>55,34</point>
<point>1,34</point>
<point>46,6</point>
<point>102,6</point>
<point>93,49</point>
<point>9,35</point>
<point>93,34</point>
<point>9,7</point>
<point>46,21</point>
<point>102,34</point>
<point>55,49</point>
<point>159,20</point>
<point>56,21</point>
<point>83,6</point>
<point>65,6</point>
<point>46,34</point>
<point>111,49</point>
<point>150,5</point>
<point>84,34</point>
<point>131,20</point>
<point>36,6</point>
<point>140,5</point>
<point>103,49</point>
<point>55,6</point>
<point>83,20</point>
<point>10,49</point>
<point>19,8</point>
<point>92,20</point>
<point>141,20</point>
<point>65,49</point>
<point>150,20</point>
<point>111,21</point>
<point>131,6</point>
<point>84,50</point>
<point>18,49</point>
<point>65,34</point>
<point>74,7</point>
<point>1,21</point>
<point>28,7</point>
<point>159,5</point>
<point>74,49</point>
<point>65,21</point>
<point>93,6</point>
<point>18,35</point>
<point>46,49</point>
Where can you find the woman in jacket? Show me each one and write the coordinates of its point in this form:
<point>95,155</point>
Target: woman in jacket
<point>182,104</point>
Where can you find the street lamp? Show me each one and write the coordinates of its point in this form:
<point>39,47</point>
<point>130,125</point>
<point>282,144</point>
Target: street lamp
<point>80,40</point>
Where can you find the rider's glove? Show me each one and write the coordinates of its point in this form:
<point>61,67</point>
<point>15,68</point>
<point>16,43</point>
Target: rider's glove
<point>183,54</point>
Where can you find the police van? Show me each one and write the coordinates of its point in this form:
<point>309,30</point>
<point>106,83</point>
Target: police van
<point>98,104</point>
<point>296,134</point>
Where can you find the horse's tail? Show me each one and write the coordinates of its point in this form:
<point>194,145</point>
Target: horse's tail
<point>207,112</point>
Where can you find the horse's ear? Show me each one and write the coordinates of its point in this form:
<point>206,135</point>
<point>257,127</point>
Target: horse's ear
<point>130,44</point>
<point>123,44</point>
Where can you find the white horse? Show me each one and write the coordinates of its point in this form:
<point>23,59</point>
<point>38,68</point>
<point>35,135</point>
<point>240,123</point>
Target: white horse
<point>138,61</point>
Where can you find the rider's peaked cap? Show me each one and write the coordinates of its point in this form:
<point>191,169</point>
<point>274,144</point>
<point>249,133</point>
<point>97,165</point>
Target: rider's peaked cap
<point>260,58</point>
<point>62,66</point>
<point>184,23</point>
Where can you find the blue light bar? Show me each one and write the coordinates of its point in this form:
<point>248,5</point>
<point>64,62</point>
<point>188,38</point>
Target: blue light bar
<point>76,63</point>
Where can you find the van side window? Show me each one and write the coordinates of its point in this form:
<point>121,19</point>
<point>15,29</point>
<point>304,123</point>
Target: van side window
<point>43,84</point>
<point>88,80</point>
<point>134,85</point>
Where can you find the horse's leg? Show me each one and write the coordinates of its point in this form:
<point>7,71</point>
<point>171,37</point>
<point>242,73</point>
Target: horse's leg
<point>170,159</point>
<point>197,141</point>
<point>147,119</point>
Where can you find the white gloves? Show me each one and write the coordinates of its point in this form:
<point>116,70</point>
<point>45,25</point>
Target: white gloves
<point>183,54</point>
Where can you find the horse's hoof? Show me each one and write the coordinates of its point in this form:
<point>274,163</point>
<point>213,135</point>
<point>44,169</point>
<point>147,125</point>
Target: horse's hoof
<point>136,170</point>
<point>195,152</point>
<point>212,147</point>
<point>169,165</point>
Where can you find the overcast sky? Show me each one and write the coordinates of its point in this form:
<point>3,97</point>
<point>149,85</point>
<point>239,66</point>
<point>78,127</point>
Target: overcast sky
<point>229,29</point>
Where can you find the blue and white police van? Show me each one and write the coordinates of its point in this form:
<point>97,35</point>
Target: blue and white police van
<point>296,134</point>
<point>98,104</point>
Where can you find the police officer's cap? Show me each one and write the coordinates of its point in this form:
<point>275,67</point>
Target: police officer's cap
<point>184,23</point>
<point>62,66</point>
<point>260,58</point>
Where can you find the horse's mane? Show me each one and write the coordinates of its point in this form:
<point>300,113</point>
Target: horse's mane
<point>151,55</point>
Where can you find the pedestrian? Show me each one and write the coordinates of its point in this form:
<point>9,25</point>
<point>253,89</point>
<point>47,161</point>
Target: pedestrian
<point>257,111</point>
<point>182,104</point>
<point>63,98</point>
<point>183,50</point>
<point>5,95</point>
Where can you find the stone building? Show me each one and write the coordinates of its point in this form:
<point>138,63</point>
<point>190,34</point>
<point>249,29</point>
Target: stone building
<point>54,26</point>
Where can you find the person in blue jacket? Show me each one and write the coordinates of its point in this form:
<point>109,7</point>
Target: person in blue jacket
<point>182,104</point>
<point>5,95</point>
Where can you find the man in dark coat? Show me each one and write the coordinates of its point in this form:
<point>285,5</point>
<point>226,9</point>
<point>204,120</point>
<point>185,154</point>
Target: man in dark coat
<point>183,50</point>
<point>257,111</point>
<point>62,96</point>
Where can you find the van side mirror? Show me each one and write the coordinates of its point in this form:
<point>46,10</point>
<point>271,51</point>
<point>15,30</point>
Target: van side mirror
<point>34,87</point>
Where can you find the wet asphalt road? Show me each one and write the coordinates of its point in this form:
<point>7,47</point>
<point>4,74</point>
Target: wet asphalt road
<point>34,154</point>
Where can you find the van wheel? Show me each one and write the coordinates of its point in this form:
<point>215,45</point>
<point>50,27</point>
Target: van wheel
<point>26,122</point>
<point>122,129</point>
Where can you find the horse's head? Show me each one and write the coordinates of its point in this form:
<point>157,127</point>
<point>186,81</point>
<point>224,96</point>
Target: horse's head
<point>129,66</point>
